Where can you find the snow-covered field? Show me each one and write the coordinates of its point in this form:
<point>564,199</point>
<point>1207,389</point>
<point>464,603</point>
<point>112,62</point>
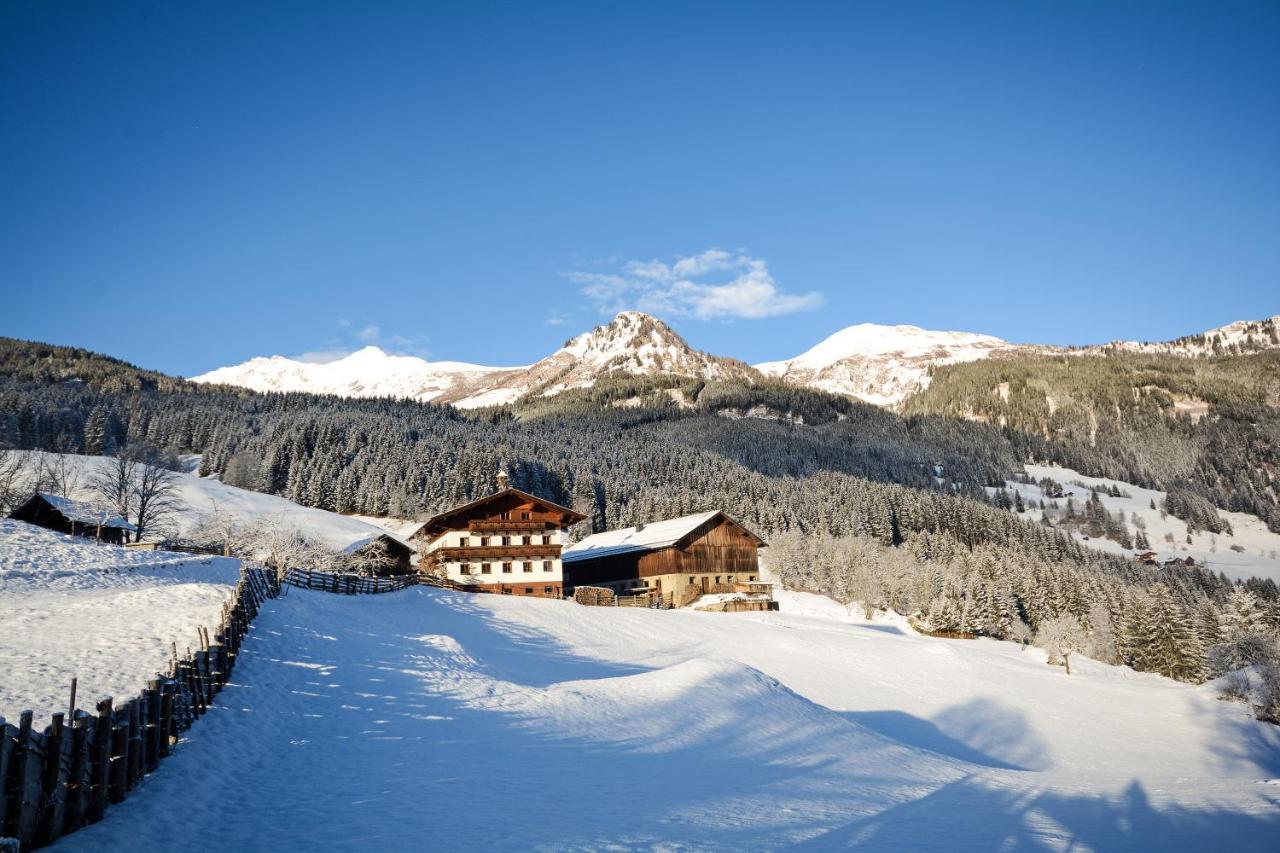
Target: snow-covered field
<point>198,497</point>
<point>72,608</point>
<point>1260,557</point>
<point>427,719</point>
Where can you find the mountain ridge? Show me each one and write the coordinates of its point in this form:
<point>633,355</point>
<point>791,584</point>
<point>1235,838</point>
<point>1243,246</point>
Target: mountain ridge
<point>878,364</point>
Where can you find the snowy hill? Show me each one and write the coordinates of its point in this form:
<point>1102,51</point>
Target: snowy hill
<point>654,730</point>
<point>197,497</point>
<point>1243,336</point>
<point>882,364</point>
<point>71,608</point>
<point>370,372</point>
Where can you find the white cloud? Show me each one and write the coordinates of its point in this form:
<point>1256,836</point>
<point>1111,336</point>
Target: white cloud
<point>369,333</point>
<point>711,285</point>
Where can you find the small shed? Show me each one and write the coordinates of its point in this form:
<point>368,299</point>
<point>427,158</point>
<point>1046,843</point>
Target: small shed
<point>76,518</point>
<point>380,554</point>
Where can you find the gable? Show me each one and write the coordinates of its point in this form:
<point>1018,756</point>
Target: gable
<point>514,504</point>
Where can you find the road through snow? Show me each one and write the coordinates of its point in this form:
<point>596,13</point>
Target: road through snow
<point>428,720</point>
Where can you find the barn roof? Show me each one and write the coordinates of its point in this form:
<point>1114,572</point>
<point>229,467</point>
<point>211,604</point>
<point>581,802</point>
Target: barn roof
<point>83,513</point>
<point>643,537</point>
<point>366,541</point>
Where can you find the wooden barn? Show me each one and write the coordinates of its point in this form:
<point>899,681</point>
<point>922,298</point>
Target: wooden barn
<point>73,517</point>
<point>380,555</point>
<point>509,542</point>
<point>681,557</point>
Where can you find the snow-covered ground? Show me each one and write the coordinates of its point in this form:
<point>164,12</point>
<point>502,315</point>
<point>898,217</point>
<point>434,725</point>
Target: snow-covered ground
<point>197,497</point>
<point>1260,557</point>
<point>72,608</point>
<point>426,719</point>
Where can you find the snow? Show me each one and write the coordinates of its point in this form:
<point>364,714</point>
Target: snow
<point>1208,549</point>
<point>84,513</point>
<point>883,365</point>
<point>197,498</point>
<point>369,372</point>
<point>648,537</point>
<point>70,607</point>
<point>502,723</point>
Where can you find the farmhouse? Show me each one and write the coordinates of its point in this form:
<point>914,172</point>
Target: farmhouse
<point>681,557</point>
<point>509,541</point>
<point>74,517</point>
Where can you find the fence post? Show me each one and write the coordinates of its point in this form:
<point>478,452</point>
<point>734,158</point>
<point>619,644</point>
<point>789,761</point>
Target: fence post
<point>32,780</point>
<point>101,756</point>
<point>52,783</point>
<point>118,778</point>
<point>8,742</point>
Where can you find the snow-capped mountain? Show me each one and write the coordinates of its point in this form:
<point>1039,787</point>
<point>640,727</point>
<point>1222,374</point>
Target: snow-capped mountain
<point>878,364</point>
<point>369,372</point>
<point>631,343</point>
<point>882,364</point>
<point>1242,336</point>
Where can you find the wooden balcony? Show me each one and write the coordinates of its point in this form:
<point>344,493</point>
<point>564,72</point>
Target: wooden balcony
<point>494,553</point>
<point>502,526</point>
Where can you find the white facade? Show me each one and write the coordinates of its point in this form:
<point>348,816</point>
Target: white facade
<point>533,571</point>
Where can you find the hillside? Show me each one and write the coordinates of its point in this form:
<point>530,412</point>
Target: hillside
<point>805,728</point>
<point>70,608</point>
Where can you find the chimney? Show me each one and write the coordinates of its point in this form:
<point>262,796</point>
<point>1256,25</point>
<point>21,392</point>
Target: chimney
<point>502,480</point>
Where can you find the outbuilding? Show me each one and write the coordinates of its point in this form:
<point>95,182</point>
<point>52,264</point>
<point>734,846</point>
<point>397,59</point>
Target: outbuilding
<point>75,518</point>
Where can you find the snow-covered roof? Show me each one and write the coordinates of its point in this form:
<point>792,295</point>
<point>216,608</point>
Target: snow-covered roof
<point>644,537</point>
<point>83,513</point>
<point>365,541</point>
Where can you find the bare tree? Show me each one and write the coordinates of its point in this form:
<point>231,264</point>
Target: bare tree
<point>112,483</point>
<point>219,529</point>
<point>15,486</point>
<point>155,490</point>
<point>1061,636</point>
<point>61,474</point>
<point>282,547</point>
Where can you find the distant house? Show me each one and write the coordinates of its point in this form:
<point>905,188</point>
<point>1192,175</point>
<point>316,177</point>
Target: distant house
<point>1146,558</point>
<point>706,552</point>
<point>508,542</point>
<point>383,554</point>
<point>73,517</point>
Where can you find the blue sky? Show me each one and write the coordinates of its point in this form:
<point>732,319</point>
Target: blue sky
<point>188,185</point>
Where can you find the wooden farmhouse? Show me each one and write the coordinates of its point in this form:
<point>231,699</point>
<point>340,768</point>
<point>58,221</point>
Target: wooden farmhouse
<point>73,517</point>
<point>680,557</point>
<point>509,541</point>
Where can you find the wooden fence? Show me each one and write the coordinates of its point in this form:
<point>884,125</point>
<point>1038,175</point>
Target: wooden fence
<point>55,781</point>
<point>347,584</point>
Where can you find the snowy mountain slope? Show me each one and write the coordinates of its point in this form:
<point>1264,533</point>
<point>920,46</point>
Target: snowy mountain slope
<point>426,714</point>
<point>370,372</point>
<point>1259,554</point>
<point>882,364</point>
<point>874,363</point>
<point>631,343</point>
<point>1240,336</point>
<point>197,497</point>
<point>71,608</point>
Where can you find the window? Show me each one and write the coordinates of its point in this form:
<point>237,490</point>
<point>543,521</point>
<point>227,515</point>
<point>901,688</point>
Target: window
<point>524,516</point>
<point>528,567</point>
<point>528,590</point>
<point>547,590</point>
<point>751,577</point>
<point>506,516</point>
<point>526,540</point>
<point>692,579</point>
<point>506,568</point>
<point>464,542</point>
<point>465,568</point>
<point>484,541</point>
<point>506,540</point>
<point>486,569</point>
<point>546,565</point>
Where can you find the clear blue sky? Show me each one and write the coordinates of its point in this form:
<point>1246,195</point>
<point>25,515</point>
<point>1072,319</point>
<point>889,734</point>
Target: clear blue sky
<point>186,185</point>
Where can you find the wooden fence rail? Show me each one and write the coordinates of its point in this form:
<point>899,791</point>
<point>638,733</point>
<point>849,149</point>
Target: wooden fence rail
<point>348,584</point>
<point>64,777</point>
